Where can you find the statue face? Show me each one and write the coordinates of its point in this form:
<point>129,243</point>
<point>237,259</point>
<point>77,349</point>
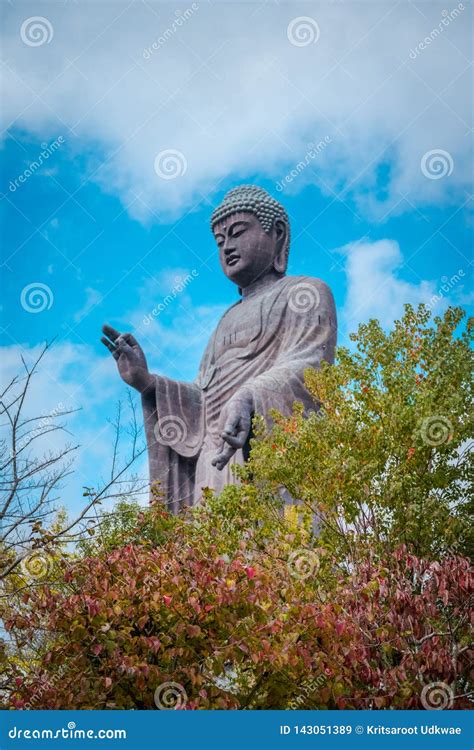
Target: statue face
<point>246,251</point>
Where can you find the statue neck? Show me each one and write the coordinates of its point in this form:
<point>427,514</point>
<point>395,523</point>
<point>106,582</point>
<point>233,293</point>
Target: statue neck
<point>260,284</point>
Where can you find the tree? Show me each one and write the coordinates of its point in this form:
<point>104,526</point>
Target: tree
<point>386,459</point>
<point>36,534</point>
<point>31,529</point>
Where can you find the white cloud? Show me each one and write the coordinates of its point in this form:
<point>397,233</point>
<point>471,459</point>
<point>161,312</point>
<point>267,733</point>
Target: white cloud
<point>93,298</point>
<point>229,90</point>
<point>375,288</point>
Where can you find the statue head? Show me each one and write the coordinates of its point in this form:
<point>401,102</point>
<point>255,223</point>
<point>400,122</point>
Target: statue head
<point>252,232</point>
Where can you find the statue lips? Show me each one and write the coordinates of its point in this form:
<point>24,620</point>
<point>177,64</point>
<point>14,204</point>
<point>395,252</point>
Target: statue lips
<point>232,259</point>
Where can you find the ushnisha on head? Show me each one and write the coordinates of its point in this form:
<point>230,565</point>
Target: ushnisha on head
<point>252,232</point>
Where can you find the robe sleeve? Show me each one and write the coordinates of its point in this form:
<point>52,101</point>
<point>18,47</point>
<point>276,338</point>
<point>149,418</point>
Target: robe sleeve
<point>304,333</point>
<point>174,426</point>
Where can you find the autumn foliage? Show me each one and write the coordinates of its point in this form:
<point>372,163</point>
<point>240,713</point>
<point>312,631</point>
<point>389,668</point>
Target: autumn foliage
<point>246,631</point>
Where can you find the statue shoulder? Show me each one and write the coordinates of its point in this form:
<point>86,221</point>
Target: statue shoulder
<point>311,280</point>
<point>309,284</point>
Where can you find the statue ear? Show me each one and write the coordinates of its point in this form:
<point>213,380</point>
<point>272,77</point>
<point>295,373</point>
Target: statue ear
<point>280,260</point>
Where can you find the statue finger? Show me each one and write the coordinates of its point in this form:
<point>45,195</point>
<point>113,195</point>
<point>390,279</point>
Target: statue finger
<point>218,461</point>
<point>230,427</point>
<point>110,332</point>
<point>122,344</point>
<point>228,452</point>
<point>116,349</point>
<point>233,440</point>
<point>223,456</point>
<point>130,339</point>
<point>111,347</point>
<point>243,429</point>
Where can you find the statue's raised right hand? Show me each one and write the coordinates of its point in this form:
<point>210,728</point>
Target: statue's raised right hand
<point>128,354</point>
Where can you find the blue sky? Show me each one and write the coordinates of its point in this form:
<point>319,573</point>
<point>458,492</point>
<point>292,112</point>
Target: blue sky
<point>380,210</point>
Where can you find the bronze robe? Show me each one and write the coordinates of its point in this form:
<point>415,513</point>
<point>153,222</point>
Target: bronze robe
<point>263,343</point>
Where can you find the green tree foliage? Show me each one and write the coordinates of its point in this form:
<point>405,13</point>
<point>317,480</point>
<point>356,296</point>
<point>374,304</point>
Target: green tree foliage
<point>387,459</point>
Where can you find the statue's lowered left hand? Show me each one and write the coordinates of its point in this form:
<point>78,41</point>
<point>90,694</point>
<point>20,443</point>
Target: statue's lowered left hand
<point>237,420</point>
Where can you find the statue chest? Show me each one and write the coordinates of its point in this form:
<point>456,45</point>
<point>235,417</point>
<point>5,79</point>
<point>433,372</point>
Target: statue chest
<point>237,329</point>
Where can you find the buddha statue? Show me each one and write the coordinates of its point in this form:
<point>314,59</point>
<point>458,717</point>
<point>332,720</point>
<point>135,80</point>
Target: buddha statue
<point>254,362</point>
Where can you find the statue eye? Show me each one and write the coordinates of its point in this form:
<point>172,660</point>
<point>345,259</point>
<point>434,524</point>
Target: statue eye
<point>220,240</point>
<point>238,231</point>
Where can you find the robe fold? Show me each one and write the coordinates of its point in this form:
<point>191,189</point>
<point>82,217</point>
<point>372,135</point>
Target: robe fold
<point>263,343</point>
